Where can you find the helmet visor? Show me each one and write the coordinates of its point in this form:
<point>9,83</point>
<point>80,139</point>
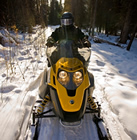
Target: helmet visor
<point>66,22</point>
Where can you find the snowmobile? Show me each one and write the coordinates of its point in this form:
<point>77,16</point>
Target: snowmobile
<point>70,85</point>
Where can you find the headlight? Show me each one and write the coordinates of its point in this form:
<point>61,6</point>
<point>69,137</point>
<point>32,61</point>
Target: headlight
<point>63,77</point>
<point>77,78</point>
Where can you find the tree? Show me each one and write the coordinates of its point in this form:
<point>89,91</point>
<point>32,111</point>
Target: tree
<point>55,12</point>
<point>129,21</point>
<point>94,17</point>
<point>44,13</point>
<point>78,9</point>
<point>126,26</point>
<point>23,14</point>
<point>7,12</point>
<point>67,6</point>
<point>90,11</point>
<point>132,37</point>
<point>24,17</point>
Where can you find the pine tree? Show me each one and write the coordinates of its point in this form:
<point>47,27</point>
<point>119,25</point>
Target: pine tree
<point>78,9</point>
<point>55,13</point>
<point>130,8</point>
<point>44,13</point>
<point>67,6</point>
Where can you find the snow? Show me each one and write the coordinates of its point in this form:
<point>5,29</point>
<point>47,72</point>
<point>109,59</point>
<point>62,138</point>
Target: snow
<point>22,62</point>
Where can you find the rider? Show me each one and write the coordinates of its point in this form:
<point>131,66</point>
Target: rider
<point>66,31</point>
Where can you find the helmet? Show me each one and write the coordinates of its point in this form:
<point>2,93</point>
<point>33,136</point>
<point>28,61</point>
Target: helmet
<point>67,19</point>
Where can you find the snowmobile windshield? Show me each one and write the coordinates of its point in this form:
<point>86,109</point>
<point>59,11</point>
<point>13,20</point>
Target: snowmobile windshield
<point>68,49</point>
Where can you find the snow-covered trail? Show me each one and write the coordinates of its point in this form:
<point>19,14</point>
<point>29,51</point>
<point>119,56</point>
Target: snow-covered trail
<point>114,70</point>
<point>108,76</point>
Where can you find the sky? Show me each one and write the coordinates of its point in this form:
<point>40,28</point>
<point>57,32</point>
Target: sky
<point>62,1</point>
<point>22,63</point>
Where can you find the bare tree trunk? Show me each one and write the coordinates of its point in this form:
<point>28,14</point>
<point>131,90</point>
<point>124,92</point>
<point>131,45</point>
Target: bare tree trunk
<point>132,38</point>
<point>125,31</point>
<point>94,18</point>
<point>60,2</point>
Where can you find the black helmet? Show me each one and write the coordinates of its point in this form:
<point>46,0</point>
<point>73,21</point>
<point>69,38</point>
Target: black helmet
<point>67,19</point>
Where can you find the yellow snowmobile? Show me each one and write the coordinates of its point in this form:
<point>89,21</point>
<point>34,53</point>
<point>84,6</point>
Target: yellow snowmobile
<point>70,85</point>
<point>69,79</point>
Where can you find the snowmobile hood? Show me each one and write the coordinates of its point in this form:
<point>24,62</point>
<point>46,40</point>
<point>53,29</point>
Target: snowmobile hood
<point>70,63</point>
<point>69,77</point>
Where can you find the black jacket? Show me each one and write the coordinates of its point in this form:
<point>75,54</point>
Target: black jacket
<point>69,33</point>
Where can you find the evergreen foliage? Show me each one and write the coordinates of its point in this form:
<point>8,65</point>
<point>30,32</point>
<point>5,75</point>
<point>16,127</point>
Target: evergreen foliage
<point>55,12</point>
<point>104,16</point>
<point>24,14</point>
<point>78,9</point>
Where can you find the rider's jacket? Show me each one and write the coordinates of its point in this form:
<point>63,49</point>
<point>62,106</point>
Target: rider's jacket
<point>66,33</point>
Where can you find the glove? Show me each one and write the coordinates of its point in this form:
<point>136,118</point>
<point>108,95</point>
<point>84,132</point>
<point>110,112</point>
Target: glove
<point>50,42</point>
<point>87,44</point>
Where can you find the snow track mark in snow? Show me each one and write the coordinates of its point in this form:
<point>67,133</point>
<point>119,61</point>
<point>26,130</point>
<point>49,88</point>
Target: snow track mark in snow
<point>106,113</point>
<point>99,63</point>
<point>7,89</point>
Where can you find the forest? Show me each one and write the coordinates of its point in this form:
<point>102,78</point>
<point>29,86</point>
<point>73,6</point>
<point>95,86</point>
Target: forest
<point>115,17</point>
